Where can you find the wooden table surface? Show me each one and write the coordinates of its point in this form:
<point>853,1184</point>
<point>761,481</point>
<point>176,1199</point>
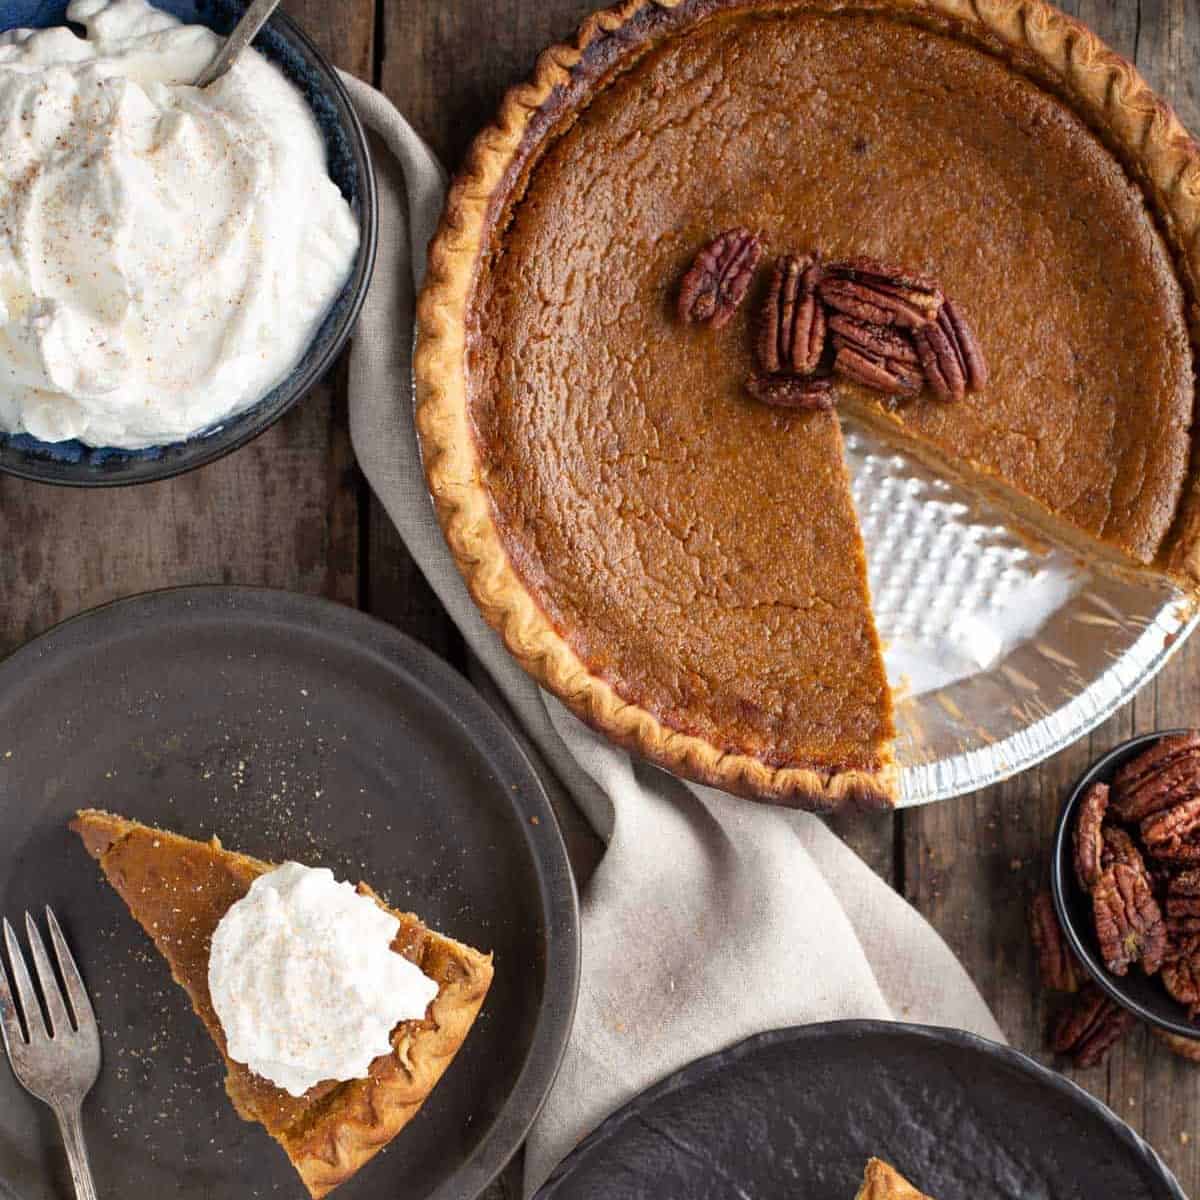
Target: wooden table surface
<point>293,511</point>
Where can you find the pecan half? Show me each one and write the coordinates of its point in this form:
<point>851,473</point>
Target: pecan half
<point>1119,848</point>
<point>719,277</point>
<point>894,376</point>
<point>1090,1027</point>
<point>1183,904</point>
<point>1089,836</point>
<point>792,391</point>
<point>1180,945</point>
<point>950,356</point>
<point>1161,874</point>
<point>1056,964</point>
<point>953,319</point>
<point>1181,977</point>
<point>1185,1047</point>
<point>1129,923</point>
<point>1174,835</point>
<point>880,293</point>
<point>1158,779</point>
<point>791,332</point>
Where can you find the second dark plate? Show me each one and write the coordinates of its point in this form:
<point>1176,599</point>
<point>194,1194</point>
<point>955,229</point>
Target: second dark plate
<point>292,728</point>
<point>795,1114</point>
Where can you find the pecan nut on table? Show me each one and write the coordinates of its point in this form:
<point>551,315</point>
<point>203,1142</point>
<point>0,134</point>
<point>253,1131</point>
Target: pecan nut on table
<point>1136,844</point>
<point>882,326</point>
<point>1089,1024</point>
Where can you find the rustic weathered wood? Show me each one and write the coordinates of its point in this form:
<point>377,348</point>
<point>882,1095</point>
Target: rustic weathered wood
<point>281,512</point>
<point>345,31</point>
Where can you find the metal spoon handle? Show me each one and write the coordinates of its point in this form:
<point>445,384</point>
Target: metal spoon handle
<point>252,20</point>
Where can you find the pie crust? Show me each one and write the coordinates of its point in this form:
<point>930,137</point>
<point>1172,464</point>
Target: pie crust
<point>334,1129</point>
<point>881,1181</point>
<point>1052,49</point>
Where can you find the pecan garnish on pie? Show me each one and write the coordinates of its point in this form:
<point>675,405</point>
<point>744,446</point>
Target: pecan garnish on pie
<point>1129,922</point>
<point>874,355</point>
<point>719,278</point>
<point>1056,964</point>
<point>880,293</point>
<point>891,329</point>
<point>792,391</point>
<point>1089,836</point>
<point>950,355</point>
<point>1161,777</point>
<point>791,334</point>
<point>1090,1027</point>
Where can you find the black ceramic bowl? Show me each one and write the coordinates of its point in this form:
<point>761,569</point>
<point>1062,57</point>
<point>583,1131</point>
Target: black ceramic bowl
<point>1143,995</point>
<point>283,42</point>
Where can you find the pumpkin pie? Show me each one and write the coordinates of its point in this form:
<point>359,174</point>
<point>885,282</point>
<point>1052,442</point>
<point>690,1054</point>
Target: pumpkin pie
<point>881,1181</point>
<point>178,890</point>
<point>680,563</point>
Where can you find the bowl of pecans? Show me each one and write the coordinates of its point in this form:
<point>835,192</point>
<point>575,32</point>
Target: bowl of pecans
<point>1125,876</point>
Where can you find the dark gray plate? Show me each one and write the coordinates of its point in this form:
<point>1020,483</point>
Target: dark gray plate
<point>293,728</point>
<point>795,1114</point>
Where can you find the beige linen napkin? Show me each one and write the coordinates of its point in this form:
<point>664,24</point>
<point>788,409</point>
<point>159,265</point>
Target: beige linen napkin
<point>709,918</point>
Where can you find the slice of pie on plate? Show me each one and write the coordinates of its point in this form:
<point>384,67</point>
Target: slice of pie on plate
<point>680,563</point>
<point>179,889</point>
<point>881,1181</point>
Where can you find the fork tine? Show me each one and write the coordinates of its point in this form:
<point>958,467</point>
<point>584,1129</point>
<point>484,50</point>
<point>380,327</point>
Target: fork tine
<point>81,1005</point>
<point>26,997</point>
<point>10,1023</point>
<point>56,1011</point>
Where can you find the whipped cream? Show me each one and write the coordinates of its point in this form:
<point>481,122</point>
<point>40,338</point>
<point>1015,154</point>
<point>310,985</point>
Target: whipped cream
<point>166,253</point>
<point>304,981</point>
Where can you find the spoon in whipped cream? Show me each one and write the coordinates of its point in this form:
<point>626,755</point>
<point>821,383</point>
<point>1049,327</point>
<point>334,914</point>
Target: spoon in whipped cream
<point>250,22</point>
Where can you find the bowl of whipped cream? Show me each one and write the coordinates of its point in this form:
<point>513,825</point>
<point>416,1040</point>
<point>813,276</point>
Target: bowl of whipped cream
<point>178,265</point>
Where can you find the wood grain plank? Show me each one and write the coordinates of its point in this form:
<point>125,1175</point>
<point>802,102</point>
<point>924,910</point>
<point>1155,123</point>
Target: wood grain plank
<point>280,513</point>
<point>344,32</point>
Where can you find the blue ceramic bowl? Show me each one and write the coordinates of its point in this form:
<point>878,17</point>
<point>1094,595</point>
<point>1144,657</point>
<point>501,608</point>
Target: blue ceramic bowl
<point>288,48</point>
<point>1145,997</point>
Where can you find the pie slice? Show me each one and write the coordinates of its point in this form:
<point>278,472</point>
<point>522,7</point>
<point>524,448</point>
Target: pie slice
<point>677,560</point>
<point>179,889</point>
<point>884,1182</point>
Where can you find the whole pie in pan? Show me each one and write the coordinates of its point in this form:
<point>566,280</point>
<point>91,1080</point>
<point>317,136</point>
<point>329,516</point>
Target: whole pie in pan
<point>681,563</point>
<point>178,890</point>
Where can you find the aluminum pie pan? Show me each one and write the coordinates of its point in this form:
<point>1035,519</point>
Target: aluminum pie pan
<point>1002,644</point>
<point>949,566</point>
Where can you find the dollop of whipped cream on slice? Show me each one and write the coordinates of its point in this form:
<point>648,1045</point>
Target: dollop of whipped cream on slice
<point>166,253</point>
<point>304,981</point>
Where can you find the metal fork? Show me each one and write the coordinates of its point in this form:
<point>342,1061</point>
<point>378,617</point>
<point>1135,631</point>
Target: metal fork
<point>57,1056</point>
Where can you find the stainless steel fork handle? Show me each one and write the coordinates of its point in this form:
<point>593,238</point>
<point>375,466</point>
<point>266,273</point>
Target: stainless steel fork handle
<point>72,1134</point>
